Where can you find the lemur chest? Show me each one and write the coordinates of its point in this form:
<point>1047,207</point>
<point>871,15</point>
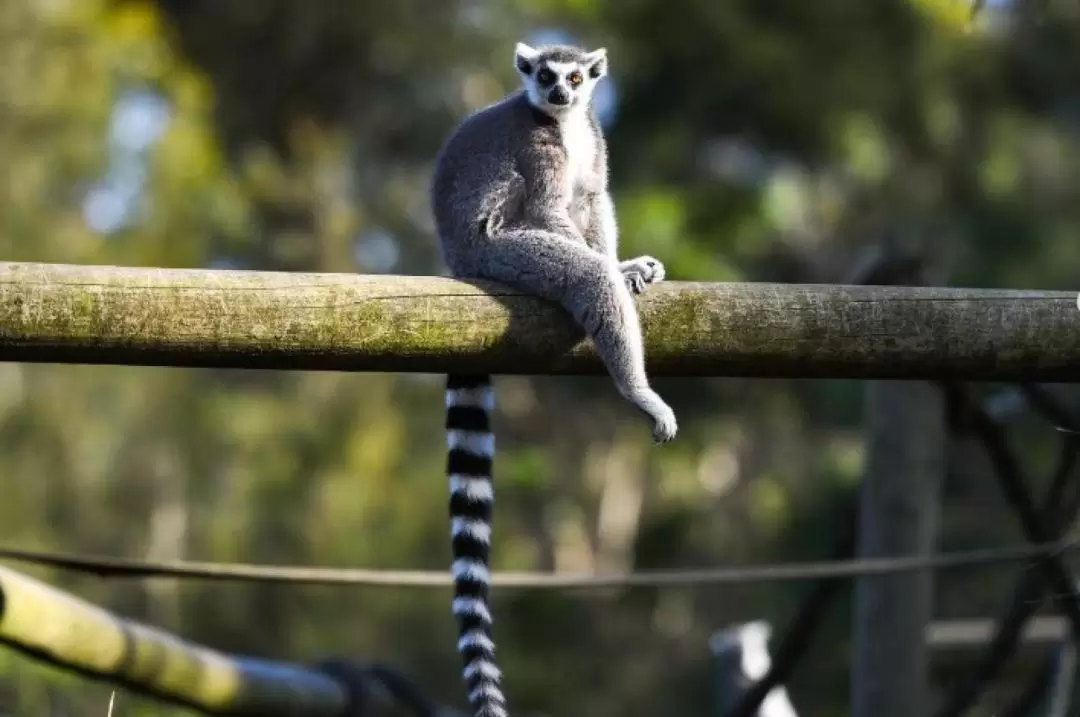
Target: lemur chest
<point>579,142</point>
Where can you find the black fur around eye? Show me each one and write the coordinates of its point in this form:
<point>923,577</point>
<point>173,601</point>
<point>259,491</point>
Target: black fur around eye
<point>545,76</point>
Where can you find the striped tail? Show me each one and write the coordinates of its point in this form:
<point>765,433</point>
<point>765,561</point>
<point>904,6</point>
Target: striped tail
<point>471,448</point>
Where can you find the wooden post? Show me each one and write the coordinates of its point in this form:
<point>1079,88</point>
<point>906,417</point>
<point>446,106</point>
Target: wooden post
<point>347,322</point>
<point>905,432</point>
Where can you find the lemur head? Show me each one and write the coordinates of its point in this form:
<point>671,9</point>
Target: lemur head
<point>559,78</point>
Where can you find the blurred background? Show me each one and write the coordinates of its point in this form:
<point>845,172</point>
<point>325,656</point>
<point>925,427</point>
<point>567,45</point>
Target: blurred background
<point>749,141</point>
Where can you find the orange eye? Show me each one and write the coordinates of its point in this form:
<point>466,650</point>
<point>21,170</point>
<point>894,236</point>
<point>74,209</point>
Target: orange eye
<point>575,79</point>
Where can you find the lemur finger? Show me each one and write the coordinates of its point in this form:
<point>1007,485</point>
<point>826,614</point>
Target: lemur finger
<point>651,270</point>
<point>664,426</point>
<point>658,272</point>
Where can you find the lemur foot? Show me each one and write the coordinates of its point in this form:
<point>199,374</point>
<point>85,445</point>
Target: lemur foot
<point>641,271</point>
<point>635,282</point>
<point>664,425</point>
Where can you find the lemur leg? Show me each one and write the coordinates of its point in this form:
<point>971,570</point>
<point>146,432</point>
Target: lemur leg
<point>592,288</point>
<point>602,234</point>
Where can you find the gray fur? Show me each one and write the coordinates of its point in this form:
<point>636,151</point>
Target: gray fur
<point>520,196</point>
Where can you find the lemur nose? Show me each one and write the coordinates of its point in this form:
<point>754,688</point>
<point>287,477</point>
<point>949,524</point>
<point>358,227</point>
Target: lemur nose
<point>559,96</point>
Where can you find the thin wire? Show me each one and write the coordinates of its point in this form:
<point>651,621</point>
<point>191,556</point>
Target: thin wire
<point>810,570</point>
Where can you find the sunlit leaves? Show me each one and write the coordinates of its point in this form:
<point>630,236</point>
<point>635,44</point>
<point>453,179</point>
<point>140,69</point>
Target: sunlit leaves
<point>952,15</point>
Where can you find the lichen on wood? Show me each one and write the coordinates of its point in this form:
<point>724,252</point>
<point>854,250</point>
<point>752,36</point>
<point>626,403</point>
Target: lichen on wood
<point>277,320</point>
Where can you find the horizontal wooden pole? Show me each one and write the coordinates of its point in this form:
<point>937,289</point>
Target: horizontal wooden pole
<point>276,320</point>
<point>53,626</point>
<point>973,634</point>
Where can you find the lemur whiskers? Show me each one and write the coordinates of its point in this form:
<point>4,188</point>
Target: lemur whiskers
<point>520,196</point>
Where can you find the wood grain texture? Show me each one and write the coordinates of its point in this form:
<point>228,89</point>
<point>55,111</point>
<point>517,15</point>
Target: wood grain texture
<point>217,318</point>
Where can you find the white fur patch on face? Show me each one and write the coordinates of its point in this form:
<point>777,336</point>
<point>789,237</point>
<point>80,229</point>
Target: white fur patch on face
<point>531,61</point>
<point>579,94</point>
<point>562,69</point>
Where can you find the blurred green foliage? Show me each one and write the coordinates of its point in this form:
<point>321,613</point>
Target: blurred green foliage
<point>750,141</point>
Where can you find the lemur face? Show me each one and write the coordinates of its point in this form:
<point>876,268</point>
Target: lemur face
<point>558,78</point>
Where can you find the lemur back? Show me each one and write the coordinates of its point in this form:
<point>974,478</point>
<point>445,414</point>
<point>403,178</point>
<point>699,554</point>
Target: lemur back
<point>520,196</point>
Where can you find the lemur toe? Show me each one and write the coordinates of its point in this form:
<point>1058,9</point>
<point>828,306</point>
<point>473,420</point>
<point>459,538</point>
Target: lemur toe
<point>658,272</point>
<point>664,426</point>
<point>650,268</point>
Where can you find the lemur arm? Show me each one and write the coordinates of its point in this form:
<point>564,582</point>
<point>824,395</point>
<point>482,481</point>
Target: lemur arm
<point>547,202</point>
<point>602,232</point>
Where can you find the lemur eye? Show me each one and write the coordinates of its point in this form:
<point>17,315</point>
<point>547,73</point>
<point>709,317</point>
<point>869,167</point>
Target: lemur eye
<point>575,79</point>
<point>545,76</point>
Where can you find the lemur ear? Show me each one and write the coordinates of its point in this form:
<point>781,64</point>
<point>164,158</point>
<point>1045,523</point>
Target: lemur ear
<point>597,63</point>
<point>524,56</point>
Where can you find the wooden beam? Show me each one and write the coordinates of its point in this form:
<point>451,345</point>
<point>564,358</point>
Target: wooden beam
<point>274,320</point>
<point>974,634</point>
<point>53,626</point>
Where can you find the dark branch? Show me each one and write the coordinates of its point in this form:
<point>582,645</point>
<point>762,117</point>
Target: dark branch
<point>1034,526</point>
<point>1034,692</point>
<point>801,631</point>
<point>1029,593</point>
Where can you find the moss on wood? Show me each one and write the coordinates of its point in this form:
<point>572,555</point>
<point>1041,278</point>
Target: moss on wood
<point>146,316</point>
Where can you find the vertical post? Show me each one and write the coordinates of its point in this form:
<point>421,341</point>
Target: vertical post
<point>898,512</point>
<point>1062,690</point>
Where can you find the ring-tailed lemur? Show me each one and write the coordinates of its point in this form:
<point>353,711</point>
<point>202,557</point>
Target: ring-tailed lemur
<point>520,196</point>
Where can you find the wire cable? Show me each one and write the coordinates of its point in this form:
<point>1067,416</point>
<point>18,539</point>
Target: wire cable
<point>808,570</point>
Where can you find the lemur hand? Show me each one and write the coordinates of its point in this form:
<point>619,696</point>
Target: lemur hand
<point>641,271</point>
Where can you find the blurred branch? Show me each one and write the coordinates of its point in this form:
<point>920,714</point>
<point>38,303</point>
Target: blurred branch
<point>800,632</point>
<point>383,688</point>
<point>1034,692</point>
<point>1051,686</point>
<point>52,626</point>
<point>1034,526</point>
<point>1046,405</point>
<point>1057,512</point>
<point>138,316</point>
<point>1062,687</point>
